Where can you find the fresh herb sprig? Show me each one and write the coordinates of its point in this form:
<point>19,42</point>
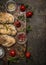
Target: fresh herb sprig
<point>29,28</point>
<point>13,59</point>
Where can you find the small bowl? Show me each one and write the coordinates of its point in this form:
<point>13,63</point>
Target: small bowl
<point>20,40</point>
<point>2,52</point>
<point>11,6</point>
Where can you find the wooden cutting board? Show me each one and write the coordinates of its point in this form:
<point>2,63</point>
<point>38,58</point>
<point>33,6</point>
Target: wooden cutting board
<point>20,48</point>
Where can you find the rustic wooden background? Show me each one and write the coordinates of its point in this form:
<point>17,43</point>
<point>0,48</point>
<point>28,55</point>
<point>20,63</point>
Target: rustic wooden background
<point>37,37</point>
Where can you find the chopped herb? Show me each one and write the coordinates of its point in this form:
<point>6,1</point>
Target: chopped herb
<point>22,18</point>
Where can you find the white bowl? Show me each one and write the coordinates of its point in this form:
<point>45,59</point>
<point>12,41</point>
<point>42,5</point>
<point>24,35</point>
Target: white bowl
<point>22,42</point>
<point>2,52</point>
<point>11,2</point>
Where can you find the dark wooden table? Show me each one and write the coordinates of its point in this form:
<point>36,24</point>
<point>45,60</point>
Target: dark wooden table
<point>37,37</point>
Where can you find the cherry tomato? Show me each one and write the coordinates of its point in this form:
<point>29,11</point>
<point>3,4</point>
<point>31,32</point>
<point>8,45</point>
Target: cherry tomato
<point>17,24</point>
<point>28,55</point>
<point>12,53</point>
<point>29,14</point>
<point>22,8</point>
